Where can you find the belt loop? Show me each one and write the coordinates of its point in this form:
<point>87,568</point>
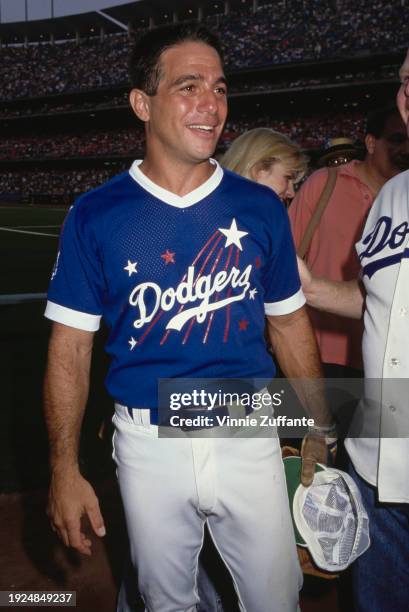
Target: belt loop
<point>136,414</point>
<point>140,416</point>
<point>145,416</point>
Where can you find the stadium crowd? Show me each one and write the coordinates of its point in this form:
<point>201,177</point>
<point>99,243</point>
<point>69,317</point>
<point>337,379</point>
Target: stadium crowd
<point>46,69</point>
<point>110,101</point>
<point>309,132</point>
<point>57,106</point>
<point>118,142</point>
<point>295,30</point>
<point>64,183</point>
<point>289,31</point>
<point>299,30</point>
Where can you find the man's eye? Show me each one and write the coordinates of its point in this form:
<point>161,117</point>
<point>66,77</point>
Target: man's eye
<point>188,88</point>
<point>221,90</point>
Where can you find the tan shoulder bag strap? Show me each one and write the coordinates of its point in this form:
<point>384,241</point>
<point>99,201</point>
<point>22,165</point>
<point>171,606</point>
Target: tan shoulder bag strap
<point>319,209</point>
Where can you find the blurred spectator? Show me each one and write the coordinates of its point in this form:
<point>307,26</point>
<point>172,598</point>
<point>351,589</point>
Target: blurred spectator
<point>338,151</point>
<point>330,252</point>
<point>269,158</point>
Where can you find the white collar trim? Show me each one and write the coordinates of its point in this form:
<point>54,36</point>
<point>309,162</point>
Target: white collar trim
<point>173,199</point>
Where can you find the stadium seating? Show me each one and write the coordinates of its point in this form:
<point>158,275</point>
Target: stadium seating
<point>287,31</point>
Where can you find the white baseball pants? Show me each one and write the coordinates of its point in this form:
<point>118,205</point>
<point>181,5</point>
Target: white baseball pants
<point>171,486</point>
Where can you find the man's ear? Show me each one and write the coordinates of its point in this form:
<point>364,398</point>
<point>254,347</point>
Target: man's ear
<point>139,102</point>
<point>370,143</point>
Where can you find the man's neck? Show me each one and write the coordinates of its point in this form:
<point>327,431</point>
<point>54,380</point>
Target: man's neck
<point>177,177</point>
<point>369,175</point>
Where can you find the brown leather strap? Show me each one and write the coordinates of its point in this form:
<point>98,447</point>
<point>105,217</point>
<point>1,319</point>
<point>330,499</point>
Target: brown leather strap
<point>317,214</point>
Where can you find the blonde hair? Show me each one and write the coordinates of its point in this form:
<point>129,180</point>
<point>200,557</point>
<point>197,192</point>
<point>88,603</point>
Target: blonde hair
<point>259,149</point>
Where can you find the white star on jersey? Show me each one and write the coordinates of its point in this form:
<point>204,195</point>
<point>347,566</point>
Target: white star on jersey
<point>132,342</point>
<point>233,235</point>
<point>252,293</point>
<point>131,267</point>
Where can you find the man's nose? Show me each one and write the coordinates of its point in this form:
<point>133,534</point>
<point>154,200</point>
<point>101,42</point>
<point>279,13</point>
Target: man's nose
<point>208,102</point>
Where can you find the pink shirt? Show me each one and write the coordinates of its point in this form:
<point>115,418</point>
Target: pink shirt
<point>331,253</point>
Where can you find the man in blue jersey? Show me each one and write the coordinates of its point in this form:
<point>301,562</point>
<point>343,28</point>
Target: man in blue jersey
<point>183,261</point>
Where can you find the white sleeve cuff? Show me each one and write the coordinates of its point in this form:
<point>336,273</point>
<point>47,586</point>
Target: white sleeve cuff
<point>72,318</point>
<point>287,306</point>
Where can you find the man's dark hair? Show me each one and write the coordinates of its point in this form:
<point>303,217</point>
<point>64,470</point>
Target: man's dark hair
<point>377,120</point>
<point>144,61</point>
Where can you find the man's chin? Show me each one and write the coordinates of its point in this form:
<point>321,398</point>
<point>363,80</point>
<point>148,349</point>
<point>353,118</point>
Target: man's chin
<point>203,154</point>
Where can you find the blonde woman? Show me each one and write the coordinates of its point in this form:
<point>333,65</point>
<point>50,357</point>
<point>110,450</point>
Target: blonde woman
<point>269,158</point>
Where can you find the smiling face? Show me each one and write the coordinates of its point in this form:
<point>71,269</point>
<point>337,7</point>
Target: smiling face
<point>185,118</point>
<point>402,98</point>
<point>278,178</point>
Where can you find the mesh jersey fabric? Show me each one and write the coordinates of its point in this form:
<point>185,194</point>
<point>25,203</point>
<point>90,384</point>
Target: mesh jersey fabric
<point>183,289</point>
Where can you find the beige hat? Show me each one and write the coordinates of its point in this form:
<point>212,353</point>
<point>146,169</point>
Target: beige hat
<point>338,147</point>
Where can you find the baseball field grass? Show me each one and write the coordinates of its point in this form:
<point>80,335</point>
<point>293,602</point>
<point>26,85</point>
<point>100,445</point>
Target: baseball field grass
<point>28,246</point>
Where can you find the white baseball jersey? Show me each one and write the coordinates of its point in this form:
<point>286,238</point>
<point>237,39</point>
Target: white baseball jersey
<point>384,253</point>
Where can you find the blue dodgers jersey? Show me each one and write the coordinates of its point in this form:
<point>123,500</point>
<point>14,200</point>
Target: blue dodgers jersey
<point>183,283</point>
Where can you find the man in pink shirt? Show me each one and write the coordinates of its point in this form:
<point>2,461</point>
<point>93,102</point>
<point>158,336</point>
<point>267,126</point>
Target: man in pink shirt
<point>331,253</point>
